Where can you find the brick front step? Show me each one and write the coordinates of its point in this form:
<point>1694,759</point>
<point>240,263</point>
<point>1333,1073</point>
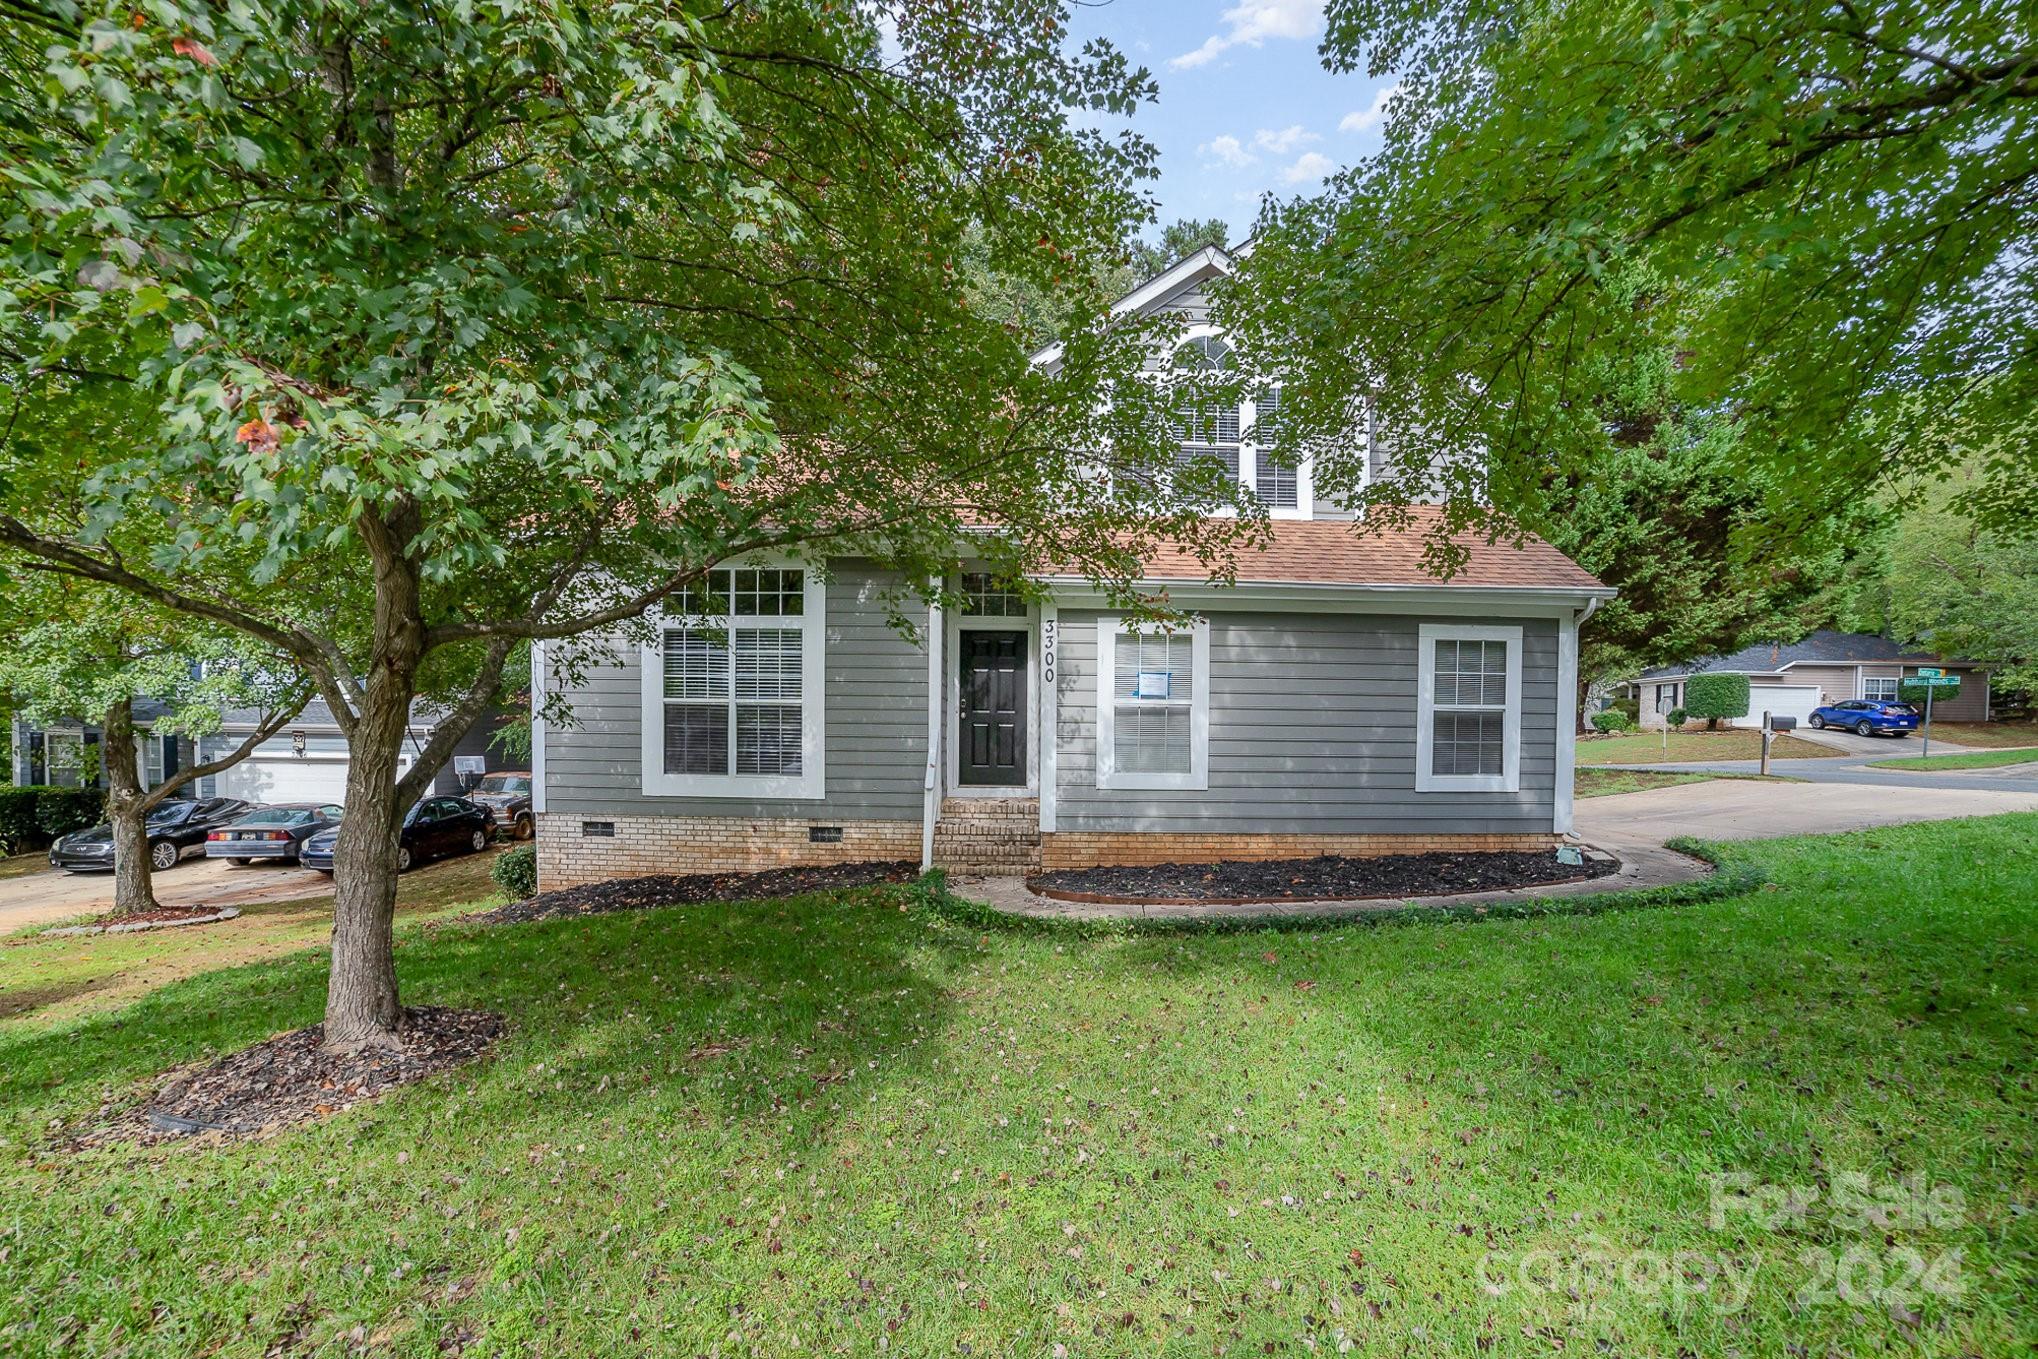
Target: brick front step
<point>988,835</point>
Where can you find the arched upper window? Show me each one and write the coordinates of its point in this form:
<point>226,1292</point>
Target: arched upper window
<point>1209,429</point>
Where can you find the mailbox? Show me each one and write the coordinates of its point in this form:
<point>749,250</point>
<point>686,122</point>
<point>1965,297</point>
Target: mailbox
<point>1782,723</point>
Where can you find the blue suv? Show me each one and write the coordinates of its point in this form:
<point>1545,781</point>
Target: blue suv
<point>1868,717</point>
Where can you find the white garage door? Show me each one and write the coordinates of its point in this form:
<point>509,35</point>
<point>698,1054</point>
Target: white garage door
<point>1782,700</point>
<point>287,778</point>
<point>277,773</point>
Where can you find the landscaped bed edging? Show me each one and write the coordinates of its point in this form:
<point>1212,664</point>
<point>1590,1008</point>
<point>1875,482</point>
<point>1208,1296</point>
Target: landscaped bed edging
<point>138,926</point>
<point>935,898</point>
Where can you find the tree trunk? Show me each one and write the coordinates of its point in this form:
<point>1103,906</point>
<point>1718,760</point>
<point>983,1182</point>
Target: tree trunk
<point>362,1006</point>
<point>133,884</point>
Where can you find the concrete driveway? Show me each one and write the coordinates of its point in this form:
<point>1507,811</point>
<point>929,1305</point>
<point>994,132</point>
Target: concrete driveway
<point>1741,809</point>
<point>1873,747</point>
<point>47,897</point>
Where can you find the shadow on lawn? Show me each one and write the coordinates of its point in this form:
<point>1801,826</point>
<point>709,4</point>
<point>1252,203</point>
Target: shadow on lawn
<point>730,1011</point>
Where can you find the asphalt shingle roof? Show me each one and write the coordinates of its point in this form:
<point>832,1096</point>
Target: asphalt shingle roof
<point>1824,647</point>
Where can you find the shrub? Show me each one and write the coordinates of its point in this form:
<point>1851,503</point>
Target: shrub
<point>1715,696</point>
<point>32,816</point>
<point>516,871</point>
<point>1675,717</point>
<point>1613,719</point>
<point>1630,706</point>
<point>59,811</point>
<point>1914,691</point>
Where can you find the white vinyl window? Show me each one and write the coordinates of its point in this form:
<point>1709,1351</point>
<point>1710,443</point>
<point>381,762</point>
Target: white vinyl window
<point>1468,717</point>
<point>1278,484</point>
<point>1882,688</point>
<point>732,688</point>
<point>1153,705</point>
<point>64,759</point>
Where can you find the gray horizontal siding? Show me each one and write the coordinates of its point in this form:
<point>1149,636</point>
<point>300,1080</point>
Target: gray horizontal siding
<point>1312,730</point>
<point>876,728</point>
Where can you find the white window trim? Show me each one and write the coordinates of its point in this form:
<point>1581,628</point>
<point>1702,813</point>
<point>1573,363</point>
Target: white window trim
<point>1109,628</point>
<point>49,765</point>
<point>812,781</point>
<point>1248,449</point>
<point>1509,778</point>
<point>1895,682</point>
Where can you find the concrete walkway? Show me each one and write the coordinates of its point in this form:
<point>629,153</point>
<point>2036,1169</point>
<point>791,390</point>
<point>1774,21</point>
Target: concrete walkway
<point>1633,828</point>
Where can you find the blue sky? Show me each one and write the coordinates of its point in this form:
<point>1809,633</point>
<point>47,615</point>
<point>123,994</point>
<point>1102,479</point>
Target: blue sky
<point>1245,105</point>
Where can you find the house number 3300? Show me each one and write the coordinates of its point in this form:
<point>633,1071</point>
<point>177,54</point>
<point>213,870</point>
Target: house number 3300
<point>1049,635</point>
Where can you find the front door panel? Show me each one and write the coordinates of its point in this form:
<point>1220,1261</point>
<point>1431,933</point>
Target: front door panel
<point>992,739</point>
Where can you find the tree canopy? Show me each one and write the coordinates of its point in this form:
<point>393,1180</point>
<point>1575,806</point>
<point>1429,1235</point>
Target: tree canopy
<point>1825,212</point>
<point>467,327</point>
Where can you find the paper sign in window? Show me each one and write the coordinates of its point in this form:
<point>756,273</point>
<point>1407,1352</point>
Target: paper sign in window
<point>1153,684</point>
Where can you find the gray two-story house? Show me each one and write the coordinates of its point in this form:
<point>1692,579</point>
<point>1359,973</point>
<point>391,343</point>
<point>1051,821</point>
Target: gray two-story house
<point>1336,699</point>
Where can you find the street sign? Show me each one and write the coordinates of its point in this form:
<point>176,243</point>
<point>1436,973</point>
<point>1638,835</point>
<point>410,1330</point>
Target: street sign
<point>1927,672</point>
<point>1938,682</point>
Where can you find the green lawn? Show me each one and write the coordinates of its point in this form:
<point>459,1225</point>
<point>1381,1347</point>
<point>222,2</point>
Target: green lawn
<point>1592,782</point>
<point>1988,734</point>
<point>856,1125</point>
<point>1692,747</point>
<point>1976,759</point>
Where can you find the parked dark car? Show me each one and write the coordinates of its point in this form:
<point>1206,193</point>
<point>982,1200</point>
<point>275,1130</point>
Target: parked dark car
<point>434,827</point>
<point>176,827</point>
<point>1868,717</point>
<point>507,795</point>
<point>276,832</point>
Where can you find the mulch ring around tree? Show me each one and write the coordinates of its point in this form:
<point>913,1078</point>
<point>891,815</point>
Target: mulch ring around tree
<point>161,918</point>
<point>288,1080</point>
<point>643,894</point>
<point>1328,878</point>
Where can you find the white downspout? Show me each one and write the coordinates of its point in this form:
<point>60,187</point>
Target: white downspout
<point>930,808</point>
<point>1567,715</point>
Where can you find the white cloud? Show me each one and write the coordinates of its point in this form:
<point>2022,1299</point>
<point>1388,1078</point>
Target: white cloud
<point>1365,120</point>
<point>1309,165</point>
<point>1251,22</point>
<point>1228,149</point>
<point>1286,140</point>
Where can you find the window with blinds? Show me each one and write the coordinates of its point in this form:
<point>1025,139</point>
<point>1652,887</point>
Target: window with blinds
<point>1274,481</point>
<point>1208,431</point>
<point>1470,683</point>
<point>1153,704</point>
<point>735,684</point>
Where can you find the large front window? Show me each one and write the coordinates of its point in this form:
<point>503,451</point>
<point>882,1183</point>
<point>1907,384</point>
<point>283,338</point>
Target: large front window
<point>1883,689</point>
<point>1153,713</point>
<point>733,688</point>
<point>1468,723</point>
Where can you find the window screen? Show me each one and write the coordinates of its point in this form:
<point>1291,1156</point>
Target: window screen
<point>1276,483</point>
<point>1469,721</point>
<point>1153,688</point>
<point>735,694</point>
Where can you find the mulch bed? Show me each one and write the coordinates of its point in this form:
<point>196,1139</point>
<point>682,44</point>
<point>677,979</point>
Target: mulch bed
<point>643,894</point>
<point>287,1080</point>
<point>1328,878</point>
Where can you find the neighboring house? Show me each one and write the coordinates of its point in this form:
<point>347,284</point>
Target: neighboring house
<point>305,762</point>
<point>1336,700</point>
<point>1789,680</point>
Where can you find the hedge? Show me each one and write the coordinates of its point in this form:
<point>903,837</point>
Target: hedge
<point>32,816</point>
<point>1675,717</point>
<point>1613,719</point>
<point>1715,696</point>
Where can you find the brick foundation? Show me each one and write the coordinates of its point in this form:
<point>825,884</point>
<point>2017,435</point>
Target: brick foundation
<point>1088,849</point>
<point>644,845</point>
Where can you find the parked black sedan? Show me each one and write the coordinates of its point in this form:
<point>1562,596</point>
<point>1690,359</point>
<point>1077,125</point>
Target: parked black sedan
<point>276,832</point>
<point>176,828</point>
<point>435,826</point>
